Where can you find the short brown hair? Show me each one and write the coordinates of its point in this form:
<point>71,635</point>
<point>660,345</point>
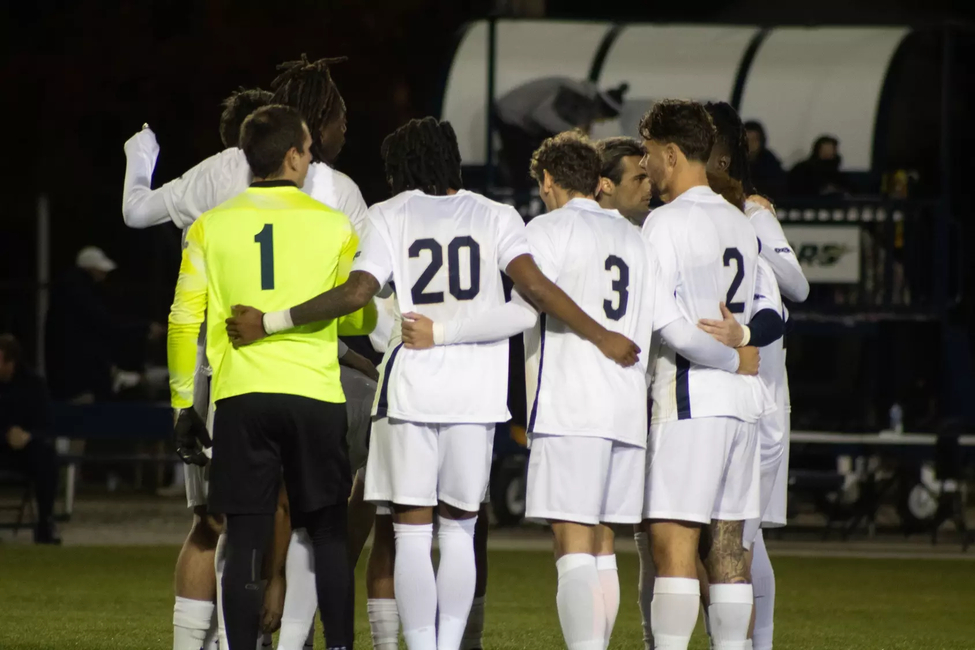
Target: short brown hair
<point>683,123</point>
<point>572,161</point>
<point>268,134</point>
<point>236,108</point>
<point>10,348</point>
<point>613,151</point>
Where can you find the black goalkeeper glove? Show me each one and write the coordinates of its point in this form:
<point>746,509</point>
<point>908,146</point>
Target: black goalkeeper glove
<point>191,437</point>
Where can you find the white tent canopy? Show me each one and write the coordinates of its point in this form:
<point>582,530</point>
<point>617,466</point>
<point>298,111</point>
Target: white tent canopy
<point>800,82</point>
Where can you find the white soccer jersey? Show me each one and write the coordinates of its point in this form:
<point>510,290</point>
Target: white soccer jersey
<point>772,367</point>
<point>777,251</point>
<point>443,256</point>
<point>601,262</point>
<point>708,253</point>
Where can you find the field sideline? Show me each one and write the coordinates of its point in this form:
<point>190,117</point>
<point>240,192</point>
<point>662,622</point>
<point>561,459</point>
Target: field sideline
<point>104,598</point>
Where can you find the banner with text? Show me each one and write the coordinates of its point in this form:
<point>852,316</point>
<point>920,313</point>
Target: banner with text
<point>827,254</point>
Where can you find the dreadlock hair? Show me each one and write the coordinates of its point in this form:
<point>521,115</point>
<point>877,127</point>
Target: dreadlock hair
<point>731,136</point>
<point>308,87</point>
<point>241,103</point>
<point>423,155</point>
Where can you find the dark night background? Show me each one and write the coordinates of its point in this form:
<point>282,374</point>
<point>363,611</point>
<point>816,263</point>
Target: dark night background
<point>80,77</point>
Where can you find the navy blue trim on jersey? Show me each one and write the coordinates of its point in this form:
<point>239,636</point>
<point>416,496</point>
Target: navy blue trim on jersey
<point>683,387</point>
<point>383,404</point>
<point>538,387</point>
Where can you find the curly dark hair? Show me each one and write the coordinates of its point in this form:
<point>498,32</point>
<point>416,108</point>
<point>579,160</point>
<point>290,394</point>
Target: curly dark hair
<point>613,151</point>
<point>683,123</point>
<point>571,159</point>
<point>307,86</point>
<point>241,103</point>
<point>423,155</point>
<point>731,137</point>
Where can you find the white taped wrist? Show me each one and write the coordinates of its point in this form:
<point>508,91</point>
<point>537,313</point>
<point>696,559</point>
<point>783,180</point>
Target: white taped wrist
<point>278,321</point>
<point>438,334</point>
<point>746,336</point>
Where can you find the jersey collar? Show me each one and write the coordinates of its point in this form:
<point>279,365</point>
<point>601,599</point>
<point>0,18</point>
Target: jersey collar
<point>583,204</point>
<point>276,183</point>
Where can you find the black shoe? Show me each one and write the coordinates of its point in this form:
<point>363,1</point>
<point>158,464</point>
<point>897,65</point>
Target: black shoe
<point>47,534</point>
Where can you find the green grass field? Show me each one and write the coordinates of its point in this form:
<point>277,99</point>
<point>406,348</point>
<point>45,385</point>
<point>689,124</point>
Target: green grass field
<point>101,598</point>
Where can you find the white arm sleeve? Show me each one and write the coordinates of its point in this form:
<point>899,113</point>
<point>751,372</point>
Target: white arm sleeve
<point>698,347</point>
<point>141,207</point>
<point>780,256</point>
<point>493,325</point>
<point>343,349</point>
<point>766,290</point>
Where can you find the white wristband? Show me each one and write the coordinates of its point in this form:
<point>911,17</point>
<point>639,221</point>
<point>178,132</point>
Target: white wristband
<point>746,336</point>
<point>438,334</point>
<point>278,321</point>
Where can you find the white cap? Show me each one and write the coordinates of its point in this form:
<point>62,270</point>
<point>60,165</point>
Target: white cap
<point>92,257</point>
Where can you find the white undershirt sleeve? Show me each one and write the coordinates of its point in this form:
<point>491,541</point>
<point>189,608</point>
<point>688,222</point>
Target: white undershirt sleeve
<point>699,347</point>
<point>141,207</point>
<point>495,324</point>
<point>777,251</point>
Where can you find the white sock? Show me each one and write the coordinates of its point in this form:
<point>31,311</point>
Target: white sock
<point>647,574</point>
<point>191,621</point>
<point>763,584</point>
<point>416,586</point>
<point>456,577</point>
<point>730,613</point>
<point>582,612</point>
<point>707,626</point>
<point>674,612</point>
<point>310,639</point>
<point>383,623</point>
<point>609,582</point>
<point>264,642</point>
<point>219,560</point>
<point>474,632</point>
<point>300,597</point>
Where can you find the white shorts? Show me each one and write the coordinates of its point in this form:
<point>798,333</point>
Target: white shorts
<point>197,478</point>
<point>774,460</point>
<point>702,469</point>
<point>585,480</point>
<point>421,464</point>
<point>775,515</point>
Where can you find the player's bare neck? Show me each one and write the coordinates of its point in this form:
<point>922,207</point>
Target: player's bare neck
<point>564,196</point>
<point>691,175</point>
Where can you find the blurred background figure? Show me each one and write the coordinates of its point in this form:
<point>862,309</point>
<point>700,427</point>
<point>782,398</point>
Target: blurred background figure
<point>819,175</point>
<point>539,109</point>
<point>24,418</point>
<point>763,165</point>
<point>84,339</point>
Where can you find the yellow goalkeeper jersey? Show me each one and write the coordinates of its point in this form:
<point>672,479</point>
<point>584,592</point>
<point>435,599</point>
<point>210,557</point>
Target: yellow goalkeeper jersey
<point>270,247</point>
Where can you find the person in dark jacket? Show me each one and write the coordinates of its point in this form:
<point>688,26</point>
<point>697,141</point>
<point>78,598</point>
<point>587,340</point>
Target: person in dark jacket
<point>83,338</point>
<point>819,175</point>
<point>24,419</point>
<point>764,166</point>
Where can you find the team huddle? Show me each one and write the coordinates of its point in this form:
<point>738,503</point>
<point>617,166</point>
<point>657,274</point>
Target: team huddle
<point>657,394</point>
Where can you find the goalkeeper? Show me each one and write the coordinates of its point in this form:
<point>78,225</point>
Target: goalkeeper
<point>279,403</point>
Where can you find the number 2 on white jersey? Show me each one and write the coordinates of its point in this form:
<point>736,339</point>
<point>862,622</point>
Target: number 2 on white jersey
<point>734,255</point>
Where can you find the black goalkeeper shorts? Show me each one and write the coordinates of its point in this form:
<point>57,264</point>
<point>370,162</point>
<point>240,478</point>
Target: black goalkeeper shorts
<point>257,435</point>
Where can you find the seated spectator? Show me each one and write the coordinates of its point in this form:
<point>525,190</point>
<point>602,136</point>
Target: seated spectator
<point>84,339</point>
<point>763,165</point>
<point>24,418</point>
<point>819,175</point>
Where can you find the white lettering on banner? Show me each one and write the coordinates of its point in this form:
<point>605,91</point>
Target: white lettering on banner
<point>827,254</point>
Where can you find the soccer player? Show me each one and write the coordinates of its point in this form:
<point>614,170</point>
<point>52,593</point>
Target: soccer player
<point>703,465</point>
<point>623,183</point>
<point>730,154</point>
<point>432,439</point>
<point>280,404</point>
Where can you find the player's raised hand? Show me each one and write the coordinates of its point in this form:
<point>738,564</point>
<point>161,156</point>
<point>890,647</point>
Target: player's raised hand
<point>143,142</point>
<point>417,331</point>
<point>245,325</point>
<point>748,360</point>
<point>619,349</point>
<point>191,437</point>
<point>727,330</point>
